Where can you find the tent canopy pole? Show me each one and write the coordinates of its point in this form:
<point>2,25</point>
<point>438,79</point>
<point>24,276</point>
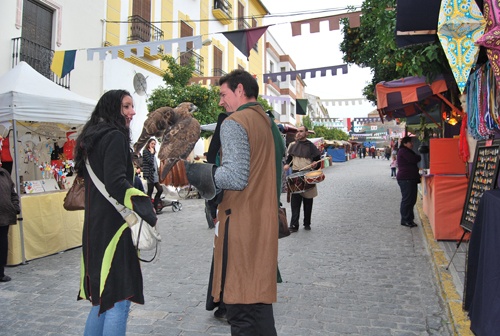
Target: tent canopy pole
<point>18,190</point>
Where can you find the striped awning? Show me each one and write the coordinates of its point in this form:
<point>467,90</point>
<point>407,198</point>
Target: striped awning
<point>399,96</point>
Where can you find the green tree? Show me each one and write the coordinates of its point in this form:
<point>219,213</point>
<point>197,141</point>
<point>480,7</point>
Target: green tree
<point>178,90</point>
<point>306,121</point>
<point>323,132</point>
<point>264,103</point>
<point>339,135</point>
<point>373,45</point>
<point>329,134</point>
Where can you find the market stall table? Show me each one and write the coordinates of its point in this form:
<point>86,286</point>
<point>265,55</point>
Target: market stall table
<point>48,227</point>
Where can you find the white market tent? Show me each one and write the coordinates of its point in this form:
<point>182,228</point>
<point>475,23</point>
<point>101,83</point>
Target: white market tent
<point>26,95</point>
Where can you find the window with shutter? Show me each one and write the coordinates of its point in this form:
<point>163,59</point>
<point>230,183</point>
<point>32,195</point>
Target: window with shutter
<point>241,14</point>
<point>36,36</point>
<point>217,71</point>
<point>186,56</point>
<point>141,23</point>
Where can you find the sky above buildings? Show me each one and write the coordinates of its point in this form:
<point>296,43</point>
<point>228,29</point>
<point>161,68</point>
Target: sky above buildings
<point>320,50</point>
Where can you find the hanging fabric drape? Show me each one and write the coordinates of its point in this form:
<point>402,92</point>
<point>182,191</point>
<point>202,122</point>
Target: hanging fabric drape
<point>482,118</point>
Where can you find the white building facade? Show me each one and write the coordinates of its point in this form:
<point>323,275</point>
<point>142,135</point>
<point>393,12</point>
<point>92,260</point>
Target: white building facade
<point>33,29</point>
<point>283,93</point>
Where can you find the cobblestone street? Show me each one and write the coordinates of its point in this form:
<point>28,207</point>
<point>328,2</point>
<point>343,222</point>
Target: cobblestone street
<point>357,272</point>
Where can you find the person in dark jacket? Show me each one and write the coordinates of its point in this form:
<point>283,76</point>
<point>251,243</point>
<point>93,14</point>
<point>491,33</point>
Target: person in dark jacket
<point>213,156</point>
<point>137,180</point>
<point>111,276</point>
<point>408,179</point>
<point>9,208</point>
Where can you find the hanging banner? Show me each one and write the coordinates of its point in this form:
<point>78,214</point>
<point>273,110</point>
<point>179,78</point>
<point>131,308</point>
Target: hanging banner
<point>245,39</point>
<point>63,62</point>
<point>276,99</point>
<point>343,102</point>
<point>333,21</point>
<point>293,74</point>
<point>153,46</point>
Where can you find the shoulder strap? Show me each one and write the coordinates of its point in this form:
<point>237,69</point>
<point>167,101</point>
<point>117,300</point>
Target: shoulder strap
<point>123,210</point>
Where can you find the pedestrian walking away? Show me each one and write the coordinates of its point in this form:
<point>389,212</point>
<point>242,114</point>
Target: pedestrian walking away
<point>302,153</point>
<point>408,180</point>
<point>111,276</point>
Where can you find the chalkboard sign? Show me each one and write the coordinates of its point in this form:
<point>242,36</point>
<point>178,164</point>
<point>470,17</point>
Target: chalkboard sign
<point>483,177</point>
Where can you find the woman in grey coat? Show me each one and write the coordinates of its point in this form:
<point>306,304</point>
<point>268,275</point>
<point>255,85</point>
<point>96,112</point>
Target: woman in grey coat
<point>150,172</point>
<point>9,208</point>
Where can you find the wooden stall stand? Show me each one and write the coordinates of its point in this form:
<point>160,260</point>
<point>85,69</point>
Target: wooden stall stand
<point>444,189</point>
<point>443,201</point>
<point>483,177</point>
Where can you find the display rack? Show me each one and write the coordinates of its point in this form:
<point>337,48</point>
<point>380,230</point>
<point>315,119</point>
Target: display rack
<point>483,177</point>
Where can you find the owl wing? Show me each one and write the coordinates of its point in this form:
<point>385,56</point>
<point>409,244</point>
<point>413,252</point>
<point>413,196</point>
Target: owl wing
<point>155,125</point>
<point>178,141</point>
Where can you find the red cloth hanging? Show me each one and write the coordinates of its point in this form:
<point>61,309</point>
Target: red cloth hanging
<point>5,151</point>
<point>69,147</point>
<point>463,145</point>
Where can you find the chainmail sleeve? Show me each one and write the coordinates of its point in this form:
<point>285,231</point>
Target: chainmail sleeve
<point>235,168</point>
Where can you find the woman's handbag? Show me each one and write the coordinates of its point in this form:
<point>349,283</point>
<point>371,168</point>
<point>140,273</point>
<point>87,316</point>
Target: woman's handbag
<point>75,198</point>
<point>145,237</point>
<point>283,223</point>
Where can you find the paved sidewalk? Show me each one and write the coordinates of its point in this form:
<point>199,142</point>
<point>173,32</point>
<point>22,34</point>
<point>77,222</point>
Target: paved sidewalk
<point>450,271</point>
<point>357,272</point>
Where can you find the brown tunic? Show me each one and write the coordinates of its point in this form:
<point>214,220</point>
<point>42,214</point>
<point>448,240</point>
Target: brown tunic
<point>248,222</point>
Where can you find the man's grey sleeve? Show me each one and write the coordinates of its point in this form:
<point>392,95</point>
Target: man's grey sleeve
<point>235,167</point>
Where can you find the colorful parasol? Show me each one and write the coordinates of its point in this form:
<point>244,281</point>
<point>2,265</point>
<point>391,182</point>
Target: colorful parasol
<point>491,38</point>
<point>460,24</point>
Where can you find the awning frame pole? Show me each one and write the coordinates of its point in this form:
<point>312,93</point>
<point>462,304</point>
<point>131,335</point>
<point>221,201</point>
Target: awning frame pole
<point>430,117</point>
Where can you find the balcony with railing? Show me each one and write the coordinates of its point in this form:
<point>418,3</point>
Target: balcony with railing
<point>216,72</point>
<point>38,57</point>
<point>142,30</point>
<point>222,11</point>
<point>198,60</point>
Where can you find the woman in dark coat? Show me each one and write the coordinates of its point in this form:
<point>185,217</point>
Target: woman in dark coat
<point>9,208</point>
<point>408,180</point>
<point>111,275</point>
